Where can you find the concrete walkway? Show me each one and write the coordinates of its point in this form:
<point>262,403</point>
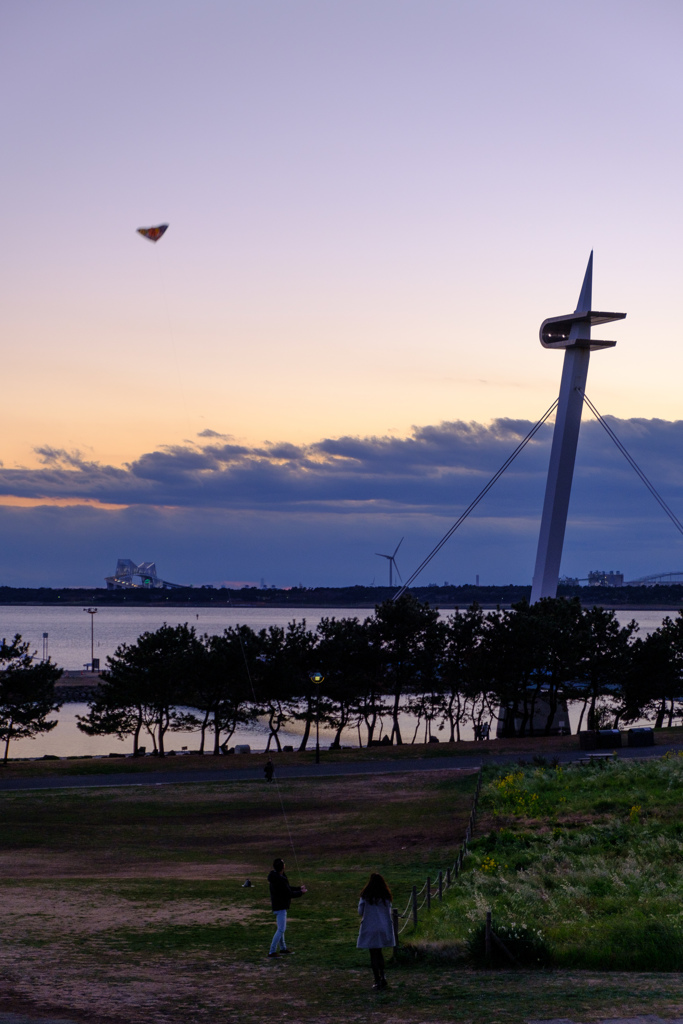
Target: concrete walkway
<point>649,1019</point>
<point>304,771</point>
<point>21,1018</point>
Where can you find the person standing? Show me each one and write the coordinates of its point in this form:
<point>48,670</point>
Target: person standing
<point>268,770</point>
<point>281,896</point>
<point>376,925</point>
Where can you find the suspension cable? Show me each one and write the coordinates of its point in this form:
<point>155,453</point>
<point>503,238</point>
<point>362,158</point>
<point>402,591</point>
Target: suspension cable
<point>634,465</point>
<point>470,508</point>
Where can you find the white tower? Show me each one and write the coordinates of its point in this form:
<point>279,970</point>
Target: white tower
<point>573,334</point>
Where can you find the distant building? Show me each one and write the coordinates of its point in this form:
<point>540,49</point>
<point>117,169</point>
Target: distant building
<point>601,578</point>
<point>129,576</point>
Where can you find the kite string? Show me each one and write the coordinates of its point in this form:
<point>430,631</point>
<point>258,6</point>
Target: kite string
<point>277,784</point>
<point>174,347</point>
<point>289,831</point>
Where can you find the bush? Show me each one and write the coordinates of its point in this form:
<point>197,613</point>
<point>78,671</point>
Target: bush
<point>527,945</point>
<point>645,945</point>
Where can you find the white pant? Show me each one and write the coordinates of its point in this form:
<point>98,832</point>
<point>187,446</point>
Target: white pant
<point>279,937</point>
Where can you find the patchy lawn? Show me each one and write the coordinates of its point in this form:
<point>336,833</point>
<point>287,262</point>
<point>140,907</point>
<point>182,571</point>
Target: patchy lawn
<point>127,905</point>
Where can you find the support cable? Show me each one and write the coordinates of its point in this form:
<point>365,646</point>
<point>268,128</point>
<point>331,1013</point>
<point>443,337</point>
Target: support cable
<point>470,508</point>
<point>634,465</point>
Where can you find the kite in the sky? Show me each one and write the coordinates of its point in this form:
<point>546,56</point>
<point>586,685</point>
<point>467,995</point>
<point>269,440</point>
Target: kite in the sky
<point>154,234</point>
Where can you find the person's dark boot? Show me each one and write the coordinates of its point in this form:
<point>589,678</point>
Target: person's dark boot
<point>378,978</point>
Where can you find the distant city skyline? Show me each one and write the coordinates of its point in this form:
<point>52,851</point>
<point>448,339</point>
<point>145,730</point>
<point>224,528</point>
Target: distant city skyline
<point>372,206</point>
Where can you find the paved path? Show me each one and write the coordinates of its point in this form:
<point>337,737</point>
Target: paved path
<point>22,1018</point>
<point>648,1019</point>
<point>304,771</point>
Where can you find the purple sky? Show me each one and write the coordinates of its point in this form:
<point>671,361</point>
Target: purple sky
<point>372,206</point>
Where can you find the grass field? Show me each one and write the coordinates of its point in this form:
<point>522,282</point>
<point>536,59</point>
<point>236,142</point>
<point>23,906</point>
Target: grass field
<point>127,905</point>
<point>589,857</point>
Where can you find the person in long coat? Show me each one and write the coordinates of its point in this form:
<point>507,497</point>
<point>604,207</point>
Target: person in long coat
<point>376,926</point>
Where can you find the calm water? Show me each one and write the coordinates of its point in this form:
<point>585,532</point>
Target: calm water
<point>68,632</point>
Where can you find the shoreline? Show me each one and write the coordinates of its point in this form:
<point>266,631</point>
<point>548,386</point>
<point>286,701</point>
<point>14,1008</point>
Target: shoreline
<point>626,606</point>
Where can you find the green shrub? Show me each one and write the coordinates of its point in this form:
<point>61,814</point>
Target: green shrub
<point>623,945</point>
<point>527,945</point>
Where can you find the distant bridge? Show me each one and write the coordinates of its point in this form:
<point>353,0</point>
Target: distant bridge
<point>129,576</point>
<point>660,577</point>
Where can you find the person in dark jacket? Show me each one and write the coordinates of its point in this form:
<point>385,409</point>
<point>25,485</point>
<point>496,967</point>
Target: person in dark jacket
<point>281,896</point>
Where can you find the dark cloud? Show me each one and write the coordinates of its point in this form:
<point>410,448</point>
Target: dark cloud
<point>436,467</point>
<point>311,511</point>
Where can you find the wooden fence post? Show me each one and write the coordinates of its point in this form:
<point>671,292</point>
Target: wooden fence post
<point>414,906</point>
<point>488,936</point>
<point>440,885</point>
<point>394,919</point>
<point>429,893</point>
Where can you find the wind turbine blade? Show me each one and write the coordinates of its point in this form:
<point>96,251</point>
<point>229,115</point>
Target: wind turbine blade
<point>380,555</point>
<point>396,568</point>
<point>398,546</point>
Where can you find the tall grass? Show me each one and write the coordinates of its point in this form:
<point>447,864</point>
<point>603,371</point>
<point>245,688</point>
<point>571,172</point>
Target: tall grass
<point>592,858</point>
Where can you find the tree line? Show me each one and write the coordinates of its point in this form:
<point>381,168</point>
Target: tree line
<point>405,659</point>
<point>443,672</point>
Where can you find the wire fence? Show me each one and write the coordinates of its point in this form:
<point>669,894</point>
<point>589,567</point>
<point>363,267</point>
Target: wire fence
<point>433,889</point>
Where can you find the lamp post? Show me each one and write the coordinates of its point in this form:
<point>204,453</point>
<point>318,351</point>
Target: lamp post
<point>317,677</point>
<point>92,612</point>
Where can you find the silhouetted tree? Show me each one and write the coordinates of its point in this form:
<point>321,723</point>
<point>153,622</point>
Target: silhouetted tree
<point>27,693</point>
<point>653,685</point>
<point>298,658</point>
<point>559,625</point>
<point>222,683</point>
<point>461,635</point>
<point>344,656</point>
<point>405,636</point>
<point>510,661</point>
<point>146,685</point>
<point>604,649</point>
<point>272,692</point>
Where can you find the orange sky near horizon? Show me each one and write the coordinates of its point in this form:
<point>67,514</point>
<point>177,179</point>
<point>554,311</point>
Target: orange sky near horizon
<point>372,207</point>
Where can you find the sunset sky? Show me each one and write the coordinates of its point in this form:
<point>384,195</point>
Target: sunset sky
<point>372,206</point>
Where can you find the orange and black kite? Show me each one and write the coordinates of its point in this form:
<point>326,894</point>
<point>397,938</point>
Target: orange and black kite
<point>154,234</point>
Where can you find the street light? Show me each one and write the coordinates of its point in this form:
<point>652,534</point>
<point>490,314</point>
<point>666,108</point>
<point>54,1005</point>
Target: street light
<point>317,677</point>
<point>92,612</point>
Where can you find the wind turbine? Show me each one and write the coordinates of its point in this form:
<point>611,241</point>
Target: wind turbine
<point>392,562</point>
